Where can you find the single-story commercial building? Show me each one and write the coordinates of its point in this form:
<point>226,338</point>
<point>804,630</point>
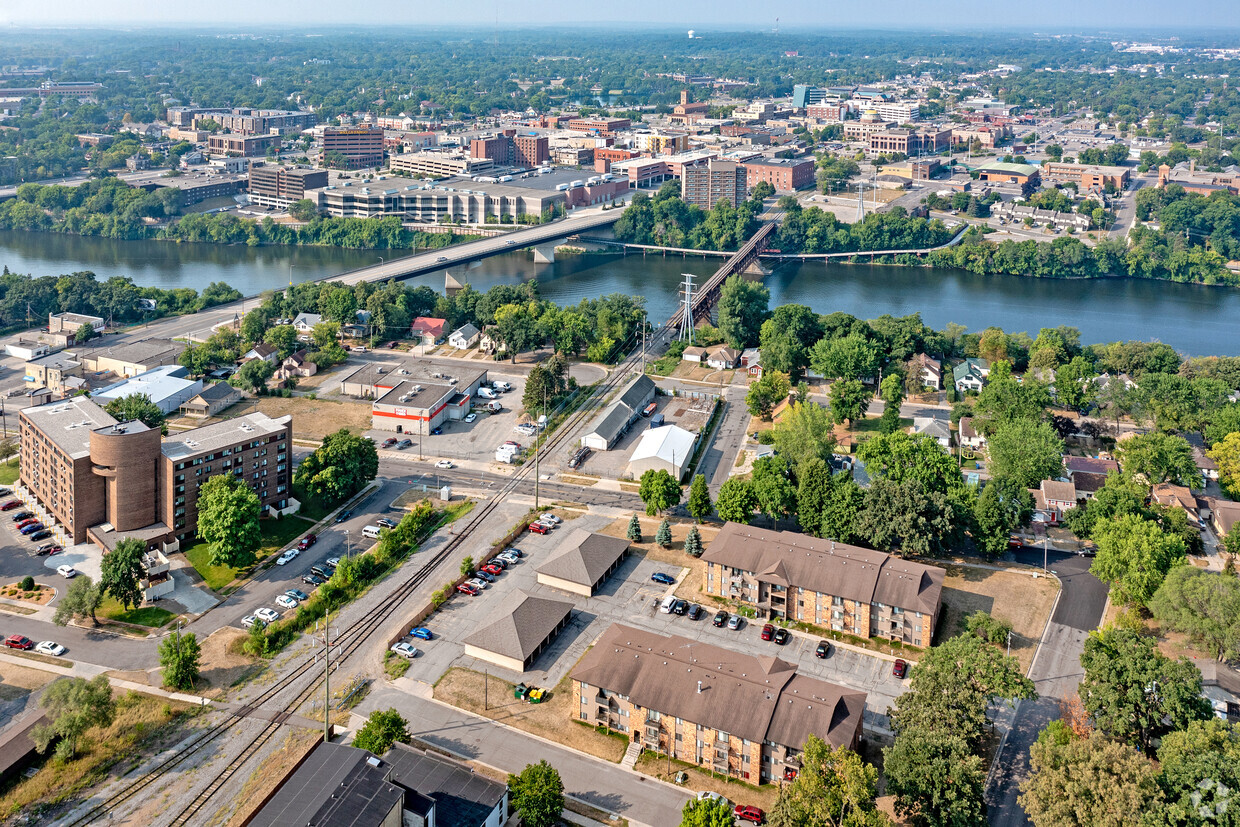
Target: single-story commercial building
<point>668,448</point>
<point>615,419</point>
<point>521,628</point>
<point>373,379</point>
<point>585,561</point>
<point>211,400</point>
<point>412,408</point>
<point>167,386</point>
<point>1008,173</point>
<point>132,358</point>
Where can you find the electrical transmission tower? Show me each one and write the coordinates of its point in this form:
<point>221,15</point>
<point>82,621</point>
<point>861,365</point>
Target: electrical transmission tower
<point>686,327</point>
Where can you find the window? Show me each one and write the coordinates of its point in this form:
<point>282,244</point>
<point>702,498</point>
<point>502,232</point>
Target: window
<point>722,737</point>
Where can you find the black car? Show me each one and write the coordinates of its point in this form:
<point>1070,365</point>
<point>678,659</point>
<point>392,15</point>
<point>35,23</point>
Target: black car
<point>721,617</point>
<point>313,579</point>
<point>344,515</point>
<point>403,444</point>
<point>680,607</point>
<point>41,534</point>
<point>22,515</point>
<point>321,571</point>
<point>823,650</point>
<point>516,551</point>
<point>781,636</point>
<point>695,611</point>
<point>482,575</point>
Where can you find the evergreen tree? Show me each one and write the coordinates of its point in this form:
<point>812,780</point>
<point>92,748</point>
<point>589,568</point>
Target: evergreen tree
<point>664,535</point>
<point>699,504</point>
<point>693,542</point>
<point>635,529</point>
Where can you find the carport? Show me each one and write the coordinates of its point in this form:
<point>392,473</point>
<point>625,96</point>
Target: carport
<point>521,628</point>
<point>586,560</point>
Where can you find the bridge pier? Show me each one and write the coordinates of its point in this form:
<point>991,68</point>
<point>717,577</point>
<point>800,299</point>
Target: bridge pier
<point>545,253</point>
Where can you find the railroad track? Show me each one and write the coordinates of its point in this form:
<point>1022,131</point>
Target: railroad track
<point>350,639</point>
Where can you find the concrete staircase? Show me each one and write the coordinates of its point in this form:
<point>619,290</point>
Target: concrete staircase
<point>629,761</point>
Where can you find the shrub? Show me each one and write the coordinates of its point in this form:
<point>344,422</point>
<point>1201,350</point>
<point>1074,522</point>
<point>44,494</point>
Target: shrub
<point>27,584</point>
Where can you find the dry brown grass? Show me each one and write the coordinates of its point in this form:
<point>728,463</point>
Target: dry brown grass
<point>312,418</point>
<point>270,772</point>
<point>1008,595</point>
<point>738,792</point>
<point>690,588</point>
<point>41,595</point>
<point>222,663</point>
<point>18,681</point>
<point>550,719</point>
<point>143,726</point>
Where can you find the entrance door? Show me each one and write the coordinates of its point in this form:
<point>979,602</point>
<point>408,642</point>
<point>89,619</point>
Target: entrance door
<point>398,429</point>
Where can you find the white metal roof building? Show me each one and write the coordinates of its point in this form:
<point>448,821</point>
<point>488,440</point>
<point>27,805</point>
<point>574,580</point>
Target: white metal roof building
<point>167,386</point>
<point>668,448</point>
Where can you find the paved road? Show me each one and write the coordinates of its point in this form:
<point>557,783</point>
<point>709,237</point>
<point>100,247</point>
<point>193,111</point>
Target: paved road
<point>600,783</point>
<point>1056,672</point>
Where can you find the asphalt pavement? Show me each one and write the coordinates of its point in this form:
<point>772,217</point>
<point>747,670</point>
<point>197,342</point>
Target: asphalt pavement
<point>1056,673</point>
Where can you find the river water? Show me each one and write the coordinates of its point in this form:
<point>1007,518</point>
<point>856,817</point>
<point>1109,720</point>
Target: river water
<point>1192,318</point>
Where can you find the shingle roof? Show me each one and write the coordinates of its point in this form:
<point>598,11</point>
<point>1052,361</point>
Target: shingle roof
<point>1056,490</point>
<point>519,625</point>
<point>756,698</point>
<point>467,331</point>
<point>1092,465</point>
<point>462,797</point>
<point>828,567</point>
<point>636,393</point>
<point>585,557</point>
<point>613,421</point>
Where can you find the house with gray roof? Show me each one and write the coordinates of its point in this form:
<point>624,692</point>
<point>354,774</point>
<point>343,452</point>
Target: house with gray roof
<point>520,629</point>
<point>585,560</point>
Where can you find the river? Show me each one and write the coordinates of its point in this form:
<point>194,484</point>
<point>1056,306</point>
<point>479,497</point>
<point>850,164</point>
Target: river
<point>1192,318</point>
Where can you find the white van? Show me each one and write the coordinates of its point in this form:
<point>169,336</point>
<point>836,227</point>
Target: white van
<point>371,532</point>
<point>486,393</point>
<point>668,603</point>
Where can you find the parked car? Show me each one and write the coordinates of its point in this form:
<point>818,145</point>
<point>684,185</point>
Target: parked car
<point>287,557</point>
<point>734,622</point>
<point>465,588</point>
<point>485,576</point>
<point>297,594</point>
<point>19,642</point>
<point>899,669</point>
<point>22,515</point>
<point>680,607</point>
<point>307,541</point>
<point>266,615</point>
<point>26,522</point>
<point>344,515</point>
<point>421,633</point>
<point>550,518</point>
<point>749,813</point>
<point>1015,542</point>
<point>334,562</point>
<point>312,580</point>
<point>42,534</point>
<point>707,795</point>
<point>664,578</point>
<point>478,583</point>
<point>404,443</point>
<point>579,457</point>
<point>539,528</point>
<point>781,636</point>
<point>68,572</point>
<point>321,572</point>
<point>286,601</point>
<point>436,431</point>
<point>513,550</point>
<point>695,611</point>
<point>10,505</point>
<point>31,528</point>
<point>389,442</point>
<point>50,647</point>
<point>492,568</point>
<point>444,464</point>
<point>721,617</point>
<point>405,650</point>
<point>507,559</point>
<point>768,631</point>
<point>470,417</point>
<point>391,345</point>
<point>823,651</point>
<point>48,548</point>
<point>385,522</point>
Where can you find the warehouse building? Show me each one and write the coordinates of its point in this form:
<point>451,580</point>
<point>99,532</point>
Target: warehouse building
<point>616,418</point>
<point>668,448</point>
<point>168,387</point>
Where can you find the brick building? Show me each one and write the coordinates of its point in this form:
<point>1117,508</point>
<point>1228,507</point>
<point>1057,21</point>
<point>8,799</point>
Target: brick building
<point>602,126</point>
<point>704,185</point>
<point>512,150</point>
<point>360,146</point>
<point>743,716</point>
<point>245,146</point>
<point>1087,176</point>
<point>845,588</point>
<point>260,121</point>
<point>784,174</point>
<point>274,186</point>
<point>102,479</point>
<point>910,142</point>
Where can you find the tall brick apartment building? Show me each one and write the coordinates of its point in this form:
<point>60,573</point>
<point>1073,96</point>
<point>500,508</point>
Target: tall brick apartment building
<point>102,479</point>
<point>784,174</point>
<point>510,149</point>
<point>706,184</point>
<point>834,585</point>
<point>361,146</point>
<point>743,716</point>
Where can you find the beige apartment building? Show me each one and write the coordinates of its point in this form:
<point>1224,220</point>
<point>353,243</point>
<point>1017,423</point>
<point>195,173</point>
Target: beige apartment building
<point>837,586</point>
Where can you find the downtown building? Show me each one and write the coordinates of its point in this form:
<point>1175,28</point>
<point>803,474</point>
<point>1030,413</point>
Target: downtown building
<point>706,184</point>
<point>858,591</point>
<point>508,149</point>
<point>354,147</point>
<point>273,186</point>
<point>104,480</point>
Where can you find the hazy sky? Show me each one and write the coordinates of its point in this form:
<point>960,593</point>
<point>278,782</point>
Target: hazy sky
<point>1046,15</point>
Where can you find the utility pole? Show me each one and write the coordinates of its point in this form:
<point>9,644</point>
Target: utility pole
<point>537,440</point>
<point>327,671</point>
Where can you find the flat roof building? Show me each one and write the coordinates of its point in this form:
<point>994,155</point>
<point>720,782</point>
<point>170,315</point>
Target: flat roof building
<point>439,164</point>
<point>585,561</point>
<point>786,175</point>
<point>1004,172</point>
<point>168,387</point>
<point>834,585</point>
<point>274,186</point>
<point>352,147</point>
<point>1087,176</point>
<point>245,146</point>
<point>743,716</point>
<point>131,358</point>
<point>706,184</point>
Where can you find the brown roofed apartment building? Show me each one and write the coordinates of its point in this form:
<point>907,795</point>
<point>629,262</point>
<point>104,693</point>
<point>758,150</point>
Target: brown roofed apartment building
<point>834,585</point>
<point>743,716</point>
<point>360,146</point>
<point>706,184</point>
<point>101,478</point>
<point>273,186</point>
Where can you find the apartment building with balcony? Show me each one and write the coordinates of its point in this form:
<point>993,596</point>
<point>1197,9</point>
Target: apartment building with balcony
<point>742,716</point>
<point>859,591</point>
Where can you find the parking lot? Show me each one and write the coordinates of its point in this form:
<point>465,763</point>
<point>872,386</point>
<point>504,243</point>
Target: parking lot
<point>629,596</point>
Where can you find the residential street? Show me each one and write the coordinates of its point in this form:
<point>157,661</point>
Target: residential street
<point>1056,672</point>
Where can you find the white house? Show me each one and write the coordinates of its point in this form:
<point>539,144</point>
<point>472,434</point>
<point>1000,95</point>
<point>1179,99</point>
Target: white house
<point>464,337</point>
<point>934,427</point>
<point>970,375</point>
<point>930,370</point>
<point>305,322</point>
<point>969,437</point>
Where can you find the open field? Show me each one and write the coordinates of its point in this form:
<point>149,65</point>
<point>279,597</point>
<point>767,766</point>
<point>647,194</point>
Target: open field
<point>550,719</point>
<point>19,681</point>
<point>314,419</point>
<point>1008,595</point>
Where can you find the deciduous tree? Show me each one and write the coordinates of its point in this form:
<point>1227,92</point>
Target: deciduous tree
<point>137,406</point>
<point>1134,555</point>
<point>1226,455</point>
<point>849,398</point>
<point>699,504</point>
<point>1204,605</point>
<point>122,572</point>
<point>383,728</point>
<point>1091,780</point>
<point>775,492</point>
<point>658,490</point>
<point>537,795</point>
<point>81,599</point>
<point>833,788</point>
<point>73,705</point>
<point>804,432</point>
<point>1158,458</point>
<point>900,456</point>
<point>180,656</point>
<point>742,310</point>
<point>714,812</point>
<point>1025,452</point>
<point>736,501</point>
<point>343,465</point>
<point>228,512</point>
<point>765,394</point>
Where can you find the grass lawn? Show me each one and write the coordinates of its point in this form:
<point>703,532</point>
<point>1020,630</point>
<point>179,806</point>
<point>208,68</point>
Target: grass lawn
<point>152,616</point>
<point>1008,595</point>
<point>8,472</point>
<point>275,535</point>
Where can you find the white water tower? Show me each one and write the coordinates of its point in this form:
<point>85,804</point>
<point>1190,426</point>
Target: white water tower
<point>691,34</point>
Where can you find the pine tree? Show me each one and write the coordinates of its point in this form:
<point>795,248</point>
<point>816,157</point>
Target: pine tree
<point>693,542</point>
<point>664,535</point>
<point>635,529</point>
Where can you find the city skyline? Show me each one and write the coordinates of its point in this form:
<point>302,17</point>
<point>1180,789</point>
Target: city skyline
<point>1053,15</point>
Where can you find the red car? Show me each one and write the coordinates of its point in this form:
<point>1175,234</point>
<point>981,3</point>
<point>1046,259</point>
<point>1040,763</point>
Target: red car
<point>306,542</point>
<point>492,569</point>
<point>18,642</point>
<point>899,668</point>
<point>465,588</point>
<point>747,812</point>
<point>538,528</point>
<point>10,505</point>
<point>26,522</point>
<point>768,632</point>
